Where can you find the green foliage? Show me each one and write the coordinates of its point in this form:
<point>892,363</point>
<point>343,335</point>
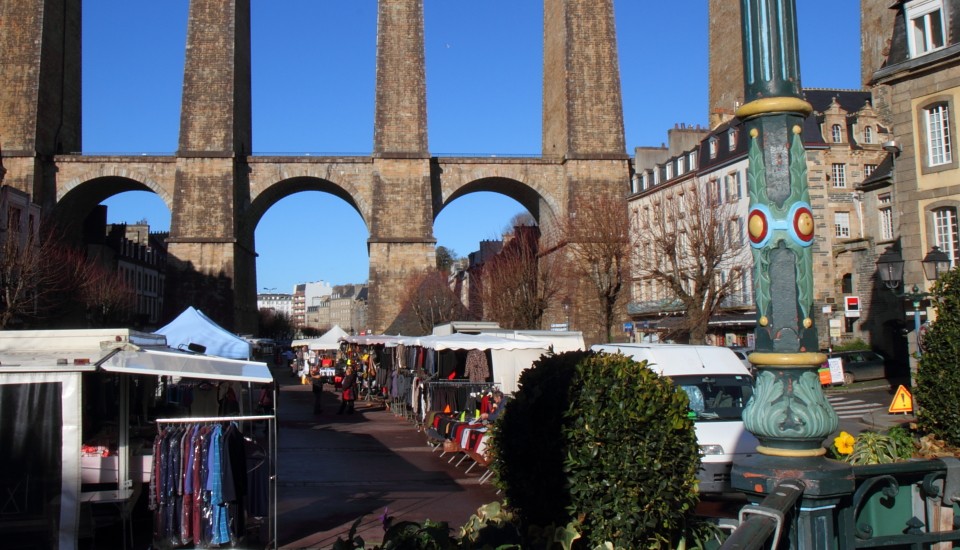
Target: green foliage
<point>852,345</point>
<point>874,448</point>
<point>632,456</point>
<point>603,441</point>
<point>528,444</point>
<point>904,441</point>
<point>938,378</point>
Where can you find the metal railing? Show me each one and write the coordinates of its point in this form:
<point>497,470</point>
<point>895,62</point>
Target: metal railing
<point>905,505</point>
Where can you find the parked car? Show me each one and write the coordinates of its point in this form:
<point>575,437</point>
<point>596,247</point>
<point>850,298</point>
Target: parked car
<point>861,365</point>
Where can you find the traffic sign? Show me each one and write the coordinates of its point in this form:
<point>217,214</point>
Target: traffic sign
<point>902,401</point>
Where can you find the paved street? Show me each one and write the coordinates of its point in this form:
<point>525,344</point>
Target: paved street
<point>335,469</point>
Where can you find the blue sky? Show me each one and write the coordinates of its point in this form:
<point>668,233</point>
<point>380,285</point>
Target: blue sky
<point>313,92</point>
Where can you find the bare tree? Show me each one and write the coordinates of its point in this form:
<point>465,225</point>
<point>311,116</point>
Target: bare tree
<point>519,284</point>
<point>430,302</point>
<point>691,248</point>
<point>37,273</point>
<point>108,298</point>
<point>597,239</point>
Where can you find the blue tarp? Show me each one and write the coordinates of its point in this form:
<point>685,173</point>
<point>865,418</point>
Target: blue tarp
<point>193,327</point>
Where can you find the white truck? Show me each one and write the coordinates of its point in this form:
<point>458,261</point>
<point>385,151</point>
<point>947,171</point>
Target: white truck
<point>718,386</point>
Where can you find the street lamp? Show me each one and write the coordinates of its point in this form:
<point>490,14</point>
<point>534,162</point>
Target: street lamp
<point>890,269</point>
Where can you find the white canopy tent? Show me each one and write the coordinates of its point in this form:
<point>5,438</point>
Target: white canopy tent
<point>509,356</point>
<point>330,340</point>
<point>193,327</point>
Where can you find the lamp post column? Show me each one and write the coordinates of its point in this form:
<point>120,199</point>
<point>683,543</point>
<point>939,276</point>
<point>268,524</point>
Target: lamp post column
<point>788,413</point>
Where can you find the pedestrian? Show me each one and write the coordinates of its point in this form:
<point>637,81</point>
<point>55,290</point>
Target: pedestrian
<point>349,395</point>
<point>265,403</point>
<point>316,381</point>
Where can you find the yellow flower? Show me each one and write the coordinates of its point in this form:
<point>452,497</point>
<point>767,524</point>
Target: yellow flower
<point>844,443</point>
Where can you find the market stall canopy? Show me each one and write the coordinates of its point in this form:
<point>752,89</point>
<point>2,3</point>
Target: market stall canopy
<point>462,340</point>
<point>330,340</point>
<point>186,365</point>
<point>193,327</point>
<point>373,339</point>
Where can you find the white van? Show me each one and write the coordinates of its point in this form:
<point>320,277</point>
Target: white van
<point>718,386</point>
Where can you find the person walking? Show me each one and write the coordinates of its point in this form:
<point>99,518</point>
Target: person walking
<point>316,381</point>
<point>349,387</point>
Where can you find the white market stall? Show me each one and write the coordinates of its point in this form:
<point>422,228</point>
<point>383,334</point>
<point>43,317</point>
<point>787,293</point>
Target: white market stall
<point>43,378</point>
<point>329,341</point>
<point>509,356</point>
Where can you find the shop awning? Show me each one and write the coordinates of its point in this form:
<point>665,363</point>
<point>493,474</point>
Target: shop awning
<point>186,365</point>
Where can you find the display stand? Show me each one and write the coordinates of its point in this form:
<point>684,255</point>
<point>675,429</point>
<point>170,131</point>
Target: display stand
<point>271,420</point>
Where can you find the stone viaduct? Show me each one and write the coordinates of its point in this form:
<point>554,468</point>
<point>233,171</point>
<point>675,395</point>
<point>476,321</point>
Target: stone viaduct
<point>217,190</point>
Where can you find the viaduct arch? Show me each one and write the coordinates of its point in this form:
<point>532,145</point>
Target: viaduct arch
<point>217,191</point>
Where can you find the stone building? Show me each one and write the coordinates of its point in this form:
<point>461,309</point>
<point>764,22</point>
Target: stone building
<point>911,59</point>
<point>138,255</point>
<point>843,139</point>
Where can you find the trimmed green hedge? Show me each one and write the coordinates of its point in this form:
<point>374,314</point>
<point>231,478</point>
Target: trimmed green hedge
<point>938,372</point>
<point>602,441</point>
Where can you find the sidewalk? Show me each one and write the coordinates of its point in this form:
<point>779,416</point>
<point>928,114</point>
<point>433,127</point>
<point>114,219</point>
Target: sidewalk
<point>335,469</point>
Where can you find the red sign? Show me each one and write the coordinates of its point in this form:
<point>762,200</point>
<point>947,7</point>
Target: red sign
<point>851,306</point>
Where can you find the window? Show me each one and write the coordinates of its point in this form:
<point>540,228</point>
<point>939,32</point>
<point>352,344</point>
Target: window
<point>732,139</point>
<point>937,123</point>
<point>868,170</point>
<point>925,26</point>
<point>713,147</point>
<point>693,160</point>
<point>680,169</point>
<point>716,192</point>
<point>837,133</point>
<point>734,186</point>
<point>945,232</point>
<point>846,283</point>
<point>841,225</point>
<point>669,170</point>
<point>868,134</point>
<point>839,175</point>
<point>886,216</point>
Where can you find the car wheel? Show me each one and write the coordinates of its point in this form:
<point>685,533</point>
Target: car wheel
<point>848,378</point>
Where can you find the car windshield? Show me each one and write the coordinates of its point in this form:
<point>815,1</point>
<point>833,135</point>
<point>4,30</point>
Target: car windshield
<point>716,398</point>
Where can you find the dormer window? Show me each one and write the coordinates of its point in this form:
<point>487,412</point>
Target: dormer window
<point>836,133</point>
<point>669,169</point>
<point>713,147</point>
<point>868,134</point>
<point>680,169</point>
<point>693,160</point>
<point>925,26</point>
<point>732,139</point>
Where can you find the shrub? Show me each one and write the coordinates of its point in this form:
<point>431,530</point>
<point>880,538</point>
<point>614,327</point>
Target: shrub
<point>938,378</point>
<point>853,345</point>
<point>604,441</point>
<point>528,441</point>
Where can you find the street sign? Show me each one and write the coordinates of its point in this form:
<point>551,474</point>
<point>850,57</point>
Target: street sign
<point>558,327</point>
<point>902,401</point>
<point>627,327</point>
<point>836,370</point>
<point>851,306</point>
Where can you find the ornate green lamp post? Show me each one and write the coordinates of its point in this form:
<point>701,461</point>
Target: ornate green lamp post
<point>789,414</point>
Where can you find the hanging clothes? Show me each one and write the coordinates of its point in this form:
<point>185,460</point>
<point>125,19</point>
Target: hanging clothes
<point>477,369</point>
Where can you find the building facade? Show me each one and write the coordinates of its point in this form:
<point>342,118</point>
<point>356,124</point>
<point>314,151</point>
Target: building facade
<point>915,75</point>
<point>280,303</point>
<point>843,140</point>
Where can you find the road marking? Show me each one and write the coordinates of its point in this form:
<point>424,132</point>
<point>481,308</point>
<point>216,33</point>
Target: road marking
<point>849,408</point>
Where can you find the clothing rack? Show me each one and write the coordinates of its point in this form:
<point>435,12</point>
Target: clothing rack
<point>271,420</point>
